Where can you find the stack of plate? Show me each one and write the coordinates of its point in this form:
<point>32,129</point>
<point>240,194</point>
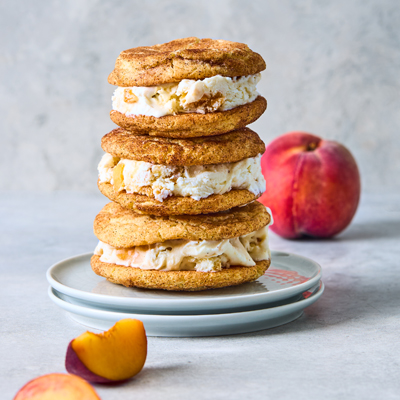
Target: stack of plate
<point>291,284</point>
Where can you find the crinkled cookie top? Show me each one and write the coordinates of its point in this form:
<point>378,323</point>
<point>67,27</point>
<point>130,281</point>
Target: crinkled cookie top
<point>188,58</point>
<point>229,147</point>
<point>123,228</point>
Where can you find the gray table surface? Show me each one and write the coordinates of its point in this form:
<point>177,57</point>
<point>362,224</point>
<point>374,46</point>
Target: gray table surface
<point>345,346</point>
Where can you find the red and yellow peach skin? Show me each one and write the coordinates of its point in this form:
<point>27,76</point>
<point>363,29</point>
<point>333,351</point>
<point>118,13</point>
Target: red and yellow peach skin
<point>57,386</point>
<point>313,185</point>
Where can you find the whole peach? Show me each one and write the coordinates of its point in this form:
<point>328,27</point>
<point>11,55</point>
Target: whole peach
<point>313,185</point>
<point>57,387</point>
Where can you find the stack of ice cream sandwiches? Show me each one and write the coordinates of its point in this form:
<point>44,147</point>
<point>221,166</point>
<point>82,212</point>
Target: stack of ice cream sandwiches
<point>182,170</point>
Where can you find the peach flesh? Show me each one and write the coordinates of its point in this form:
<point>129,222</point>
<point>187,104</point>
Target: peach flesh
<point>75,366</point>
<point>112,356</point>
<point>57,386</point>
<point>313,185</point>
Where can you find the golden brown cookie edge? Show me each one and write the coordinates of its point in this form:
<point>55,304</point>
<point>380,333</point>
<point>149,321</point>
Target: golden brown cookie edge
<point>178,280</point>
<point>123,228</point>
<point>177,205</point>
<point>189,125</point>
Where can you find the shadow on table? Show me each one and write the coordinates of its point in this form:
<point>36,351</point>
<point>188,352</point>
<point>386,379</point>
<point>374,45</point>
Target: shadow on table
<point>360,231</point>
<point>349,298</point>
<point>150,373</point>
<point>337,306</point>
<point>344,303</point>
<point>373,230</point>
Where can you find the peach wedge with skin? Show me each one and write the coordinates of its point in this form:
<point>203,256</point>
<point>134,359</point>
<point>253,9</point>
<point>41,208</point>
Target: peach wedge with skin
<point>112,356</point>
<point>57,386</point>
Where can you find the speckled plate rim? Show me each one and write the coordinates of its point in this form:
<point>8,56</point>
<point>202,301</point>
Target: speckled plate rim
<point>195,325</point>
<point>198,303</point>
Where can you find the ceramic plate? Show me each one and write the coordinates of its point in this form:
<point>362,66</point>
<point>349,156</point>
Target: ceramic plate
<point>195,325</point>
<point>116,308</point>
<point>288,276</point>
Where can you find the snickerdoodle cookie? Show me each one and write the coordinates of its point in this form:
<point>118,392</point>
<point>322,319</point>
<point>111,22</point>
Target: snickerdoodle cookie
<point>189,281</point>
<point>230,147</point>
<point>186,88</point>
<point>182,252</point>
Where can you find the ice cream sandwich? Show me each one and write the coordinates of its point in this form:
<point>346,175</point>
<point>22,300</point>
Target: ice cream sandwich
<point>167,176</point>
<point>182,253</point>
<point>187,88</point>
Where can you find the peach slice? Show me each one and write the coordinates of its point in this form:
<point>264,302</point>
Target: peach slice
<point>129,96</point>
<point>57,386</point>
<point>118,177</point>
<point>112,356</point>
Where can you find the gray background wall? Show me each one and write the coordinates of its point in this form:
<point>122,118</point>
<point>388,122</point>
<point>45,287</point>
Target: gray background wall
<point>333,68</point>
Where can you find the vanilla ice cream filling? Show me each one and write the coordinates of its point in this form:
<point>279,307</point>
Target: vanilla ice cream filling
<point>188,255</point>
<point>188,96</point>
<point>197,181</point>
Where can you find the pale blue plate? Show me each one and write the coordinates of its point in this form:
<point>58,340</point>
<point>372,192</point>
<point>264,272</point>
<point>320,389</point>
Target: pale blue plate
<point>195,325</point>
<point>287,278</point>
